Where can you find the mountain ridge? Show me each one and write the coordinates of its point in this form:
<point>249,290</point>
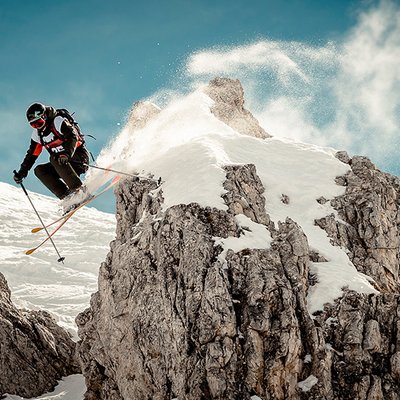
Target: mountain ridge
<point>190,305</point>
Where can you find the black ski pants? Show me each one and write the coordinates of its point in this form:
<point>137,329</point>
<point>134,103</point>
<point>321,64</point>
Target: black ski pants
<point>63,179</point>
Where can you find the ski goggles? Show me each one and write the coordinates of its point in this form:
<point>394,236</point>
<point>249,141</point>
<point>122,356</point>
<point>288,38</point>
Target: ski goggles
<point>37,123</point>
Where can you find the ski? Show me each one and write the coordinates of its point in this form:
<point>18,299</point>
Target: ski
<point>30,251</point>
<point>66,217</point>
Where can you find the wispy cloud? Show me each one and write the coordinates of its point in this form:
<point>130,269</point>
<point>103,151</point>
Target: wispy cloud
<point>368,81</point>
<point>344,93</point>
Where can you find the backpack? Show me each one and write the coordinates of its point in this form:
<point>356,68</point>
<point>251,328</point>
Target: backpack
<point>62,112</point>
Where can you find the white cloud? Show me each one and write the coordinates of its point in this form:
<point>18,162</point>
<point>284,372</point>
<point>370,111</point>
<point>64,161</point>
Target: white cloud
<point>368,81</point>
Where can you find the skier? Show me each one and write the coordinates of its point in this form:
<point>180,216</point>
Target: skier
<point>68,154</point>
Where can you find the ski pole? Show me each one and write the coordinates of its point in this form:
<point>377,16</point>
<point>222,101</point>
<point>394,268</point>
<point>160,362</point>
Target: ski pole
<point>110,170</point>
<point>104,169</point>
<point>60,259</point>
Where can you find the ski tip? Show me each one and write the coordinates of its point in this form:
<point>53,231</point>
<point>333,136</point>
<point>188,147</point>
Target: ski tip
<point>116,179</point>
<point>34,230</point>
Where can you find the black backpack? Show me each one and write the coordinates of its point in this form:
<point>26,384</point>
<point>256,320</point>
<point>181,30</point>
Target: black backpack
<point>62,112</point>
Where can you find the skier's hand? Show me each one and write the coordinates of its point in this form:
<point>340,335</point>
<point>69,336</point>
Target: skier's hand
<point>19,176</point>
<point>63,159</point>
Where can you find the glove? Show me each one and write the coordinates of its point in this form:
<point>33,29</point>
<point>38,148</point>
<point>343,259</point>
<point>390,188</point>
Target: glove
<point>63,159</point>
<point>20,175</point>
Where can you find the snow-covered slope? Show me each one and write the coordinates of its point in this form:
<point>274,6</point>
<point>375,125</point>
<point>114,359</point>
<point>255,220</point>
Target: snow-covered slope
<point>39,281</point>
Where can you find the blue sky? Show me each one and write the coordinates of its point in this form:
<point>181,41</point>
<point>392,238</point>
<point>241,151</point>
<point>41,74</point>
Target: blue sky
<point>98,57</point>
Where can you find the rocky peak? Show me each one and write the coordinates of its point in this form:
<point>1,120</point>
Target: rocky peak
<point>228,96</point>
<point>35,352</point>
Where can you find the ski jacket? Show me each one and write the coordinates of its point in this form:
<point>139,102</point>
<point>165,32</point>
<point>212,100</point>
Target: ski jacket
<point>58,136</point>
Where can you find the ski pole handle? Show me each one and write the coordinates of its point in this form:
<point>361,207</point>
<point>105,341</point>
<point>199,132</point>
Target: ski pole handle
<point>20,183</point>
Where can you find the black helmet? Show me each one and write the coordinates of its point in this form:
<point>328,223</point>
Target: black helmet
<point>35,111</point>
<point>36,115</point>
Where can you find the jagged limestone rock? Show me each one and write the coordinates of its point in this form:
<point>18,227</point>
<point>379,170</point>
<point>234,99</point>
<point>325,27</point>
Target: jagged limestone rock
<point>247,199</point>
<point>228,96</point>
<point>343,156</point>
<point>34,351</point>
<point>363,332</point>
<point>370,210</point>
<point>173,320</point>
<point>178,316</point>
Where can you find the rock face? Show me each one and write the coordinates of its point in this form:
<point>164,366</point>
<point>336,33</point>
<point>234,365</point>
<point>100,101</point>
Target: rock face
<point>170,320</point>
<point>178,317</point>
<point>363,334</point>
<point>35,351</point>
<point>370,210</point>
<point>229,107</point>
<point>198,328</point>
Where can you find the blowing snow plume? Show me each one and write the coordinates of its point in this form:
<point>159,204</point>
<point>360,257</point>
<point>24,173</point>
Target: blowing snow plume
<point>151,132</point>
<point>342,93</point>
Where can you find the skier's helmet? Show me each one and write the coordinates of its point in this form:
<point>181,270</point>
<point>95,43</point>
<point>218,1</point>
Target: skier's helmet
<point>36,115</point>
